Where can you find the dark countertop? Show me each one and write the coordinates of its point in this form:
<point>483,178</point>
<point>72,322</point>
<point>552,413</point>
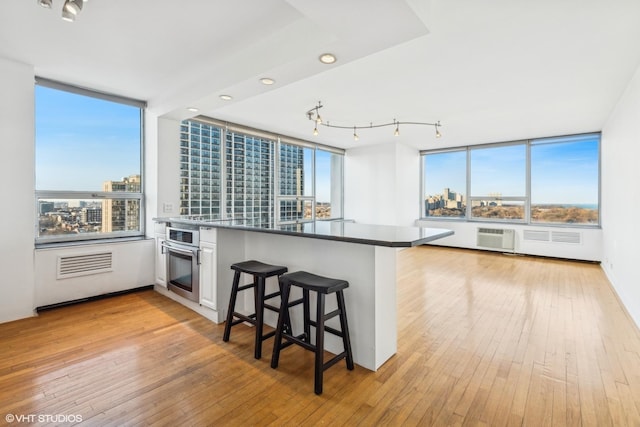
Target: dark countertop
<point>343,231</point>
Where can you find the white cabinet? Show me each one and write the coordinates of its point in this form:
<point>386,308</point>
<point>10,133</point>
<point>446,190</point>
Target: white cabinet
<point>161,258</point>
<point>161,262</point>
<point>208,268</point>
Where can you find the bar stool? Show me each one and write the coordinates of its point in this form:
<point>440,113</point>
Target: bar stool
<point>322,286</point>
<point>260,271</point>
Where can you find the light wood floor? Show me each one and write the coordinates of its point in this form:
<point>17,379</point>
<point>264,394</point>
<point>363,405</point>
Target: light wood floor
<point>484,339</point>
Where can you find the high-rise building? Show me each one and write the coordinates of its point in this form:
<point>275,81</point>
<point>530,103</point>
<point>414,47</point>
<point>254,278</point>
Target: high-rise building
<point>121,214</point>
<point>292,182</point>
<point>249,189</point>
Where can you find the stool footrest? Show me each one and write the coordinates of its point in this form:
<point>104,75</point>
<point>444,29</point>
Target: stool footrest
<point>244,318</point>
<point>272,295</point>
<point>327,328</point>
<point>334,360</point>
<point>293,339</point>
<point>245,287</point>
<point>272,307</point>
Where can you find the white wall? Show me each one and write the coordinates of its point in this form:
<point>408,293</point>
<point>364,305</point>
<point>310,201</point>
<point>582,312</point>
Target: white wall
<point>382,184</point>
<point>621,197</point>
<point>133,266</point>
<point>17,174</point>
<point>162,168</point>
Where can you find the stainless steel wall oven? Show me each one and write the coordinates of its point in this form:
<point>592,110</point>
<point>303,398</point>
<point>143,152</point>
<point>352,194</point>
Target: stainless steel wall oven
<point>182,250</point>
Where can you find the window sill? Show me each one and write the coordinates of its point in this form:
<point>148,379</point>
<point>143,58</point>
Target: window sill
<point>49,245</point>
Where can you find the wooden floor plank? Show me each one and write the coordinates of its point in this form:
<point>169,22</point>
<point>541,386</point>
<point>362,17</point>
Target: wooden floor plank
<point>483,339</point>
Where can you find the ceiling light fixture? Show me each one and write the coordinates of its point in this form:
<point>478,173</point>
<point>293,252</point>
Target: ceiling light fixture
<point>193,109</point>
<point>267,81</point>
<point>70,8</point>
<point>226,97</point>
<point>314,115</point>
<point>327,58</point>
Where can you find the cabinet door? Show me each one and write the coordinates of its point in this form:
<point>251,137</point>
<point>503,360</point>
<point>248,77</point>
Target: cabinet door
<point>208,276</point>
<point>161,262</point>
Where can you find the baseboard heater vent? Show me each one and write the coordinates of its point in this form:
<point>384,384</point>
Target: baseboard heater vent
<point>553,236</point>
<point>535,235</point>
<point>496,238</point>
<point>566,237</point>
<point>83,265</point>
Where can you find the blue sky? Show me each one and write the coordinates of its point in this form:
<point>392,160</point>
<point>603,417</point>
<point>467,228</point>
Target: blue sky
<point>564,172</point>
<point>77,145</point>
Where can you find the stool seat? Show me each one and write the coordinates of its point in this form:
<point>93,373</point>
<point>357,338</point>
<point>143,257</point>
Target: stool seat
<point>257,268</point>
<point>313,282</point>
<point>322,286</point>
<point>260,272</point>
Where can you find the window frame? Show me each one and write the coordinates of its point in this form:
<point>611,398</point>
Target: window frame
<point>98,196</point>
<point>529,143</point>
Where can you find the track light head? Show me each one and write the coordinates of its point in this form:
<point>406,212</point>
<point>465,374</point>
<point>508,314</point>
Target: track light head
<point>68,16</point>
<point>72,6</point>
<point>45,3</point>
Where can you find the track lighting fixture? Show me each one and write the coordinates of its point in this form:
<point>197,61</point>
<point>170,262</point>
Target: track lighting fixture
<point>70,8</point>
<point>314,114</point>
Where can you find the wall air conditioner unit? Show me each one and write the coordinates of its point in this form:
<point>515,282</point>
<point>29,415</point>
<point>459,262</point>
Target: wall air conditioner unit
<point>496,238</point>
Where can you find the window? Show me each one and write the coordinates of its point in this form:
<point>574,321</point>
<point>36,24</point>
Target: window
<point>249,185</point>
<point>498,182</point>
<point>329,177</point>
<point>541,181</point>
<point>88,164</point>
<point>564,180</point>
<point>200,170</point>
<point>445,184</point>
<point>295,200</point>
<point>249,177</point>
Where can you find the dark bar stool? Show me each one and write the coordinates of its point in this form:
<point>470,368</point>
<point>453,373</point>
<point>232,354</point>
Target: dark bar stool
<point>260,271</point>
<point>322,286</point>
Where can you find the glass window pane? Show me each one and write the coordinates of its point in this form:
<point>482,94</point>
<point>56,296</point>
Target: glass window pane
<point>295,210</point>
<point>296,170</point>
<point>86,218</point>
<point>82,141</point>
<point>328,171</point>
<point>445,184</point>
<point>497,209</point>
<point>564,180</point>
<point>499,171</point>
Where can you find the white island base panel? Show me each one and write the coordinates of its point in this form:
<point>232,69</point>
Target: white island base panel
<point>370,297</point>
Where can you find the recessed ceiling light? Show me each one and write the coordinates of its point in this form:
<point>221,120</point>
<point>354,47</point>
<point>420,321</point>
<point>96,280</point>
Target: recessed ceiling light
<point>193,109</point>
<point>327,58</point>
<point>226,97</point>
<point>267,81</point>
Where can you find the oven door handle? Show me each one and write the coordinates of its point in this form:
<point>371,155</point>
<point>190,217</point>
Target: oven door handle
<point>195,251</point>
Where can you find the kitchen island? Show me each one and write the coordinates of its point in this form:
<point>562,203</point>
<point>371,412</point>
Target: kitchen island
<point>364,255</point>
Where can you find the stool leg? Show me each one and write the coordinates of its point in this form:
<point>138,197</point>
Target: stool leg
<point>345,329</point>
<point>258,294</point>
<point>306,315</point>
<point>287,321</point>
<point>319,360</point>
<point>282,314</point>
<point>232,306</point>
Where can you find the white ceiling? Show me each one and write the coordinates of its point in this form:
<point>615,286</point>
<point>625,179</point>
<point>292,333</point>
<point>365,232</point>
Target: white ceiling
<point>492,70</point>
